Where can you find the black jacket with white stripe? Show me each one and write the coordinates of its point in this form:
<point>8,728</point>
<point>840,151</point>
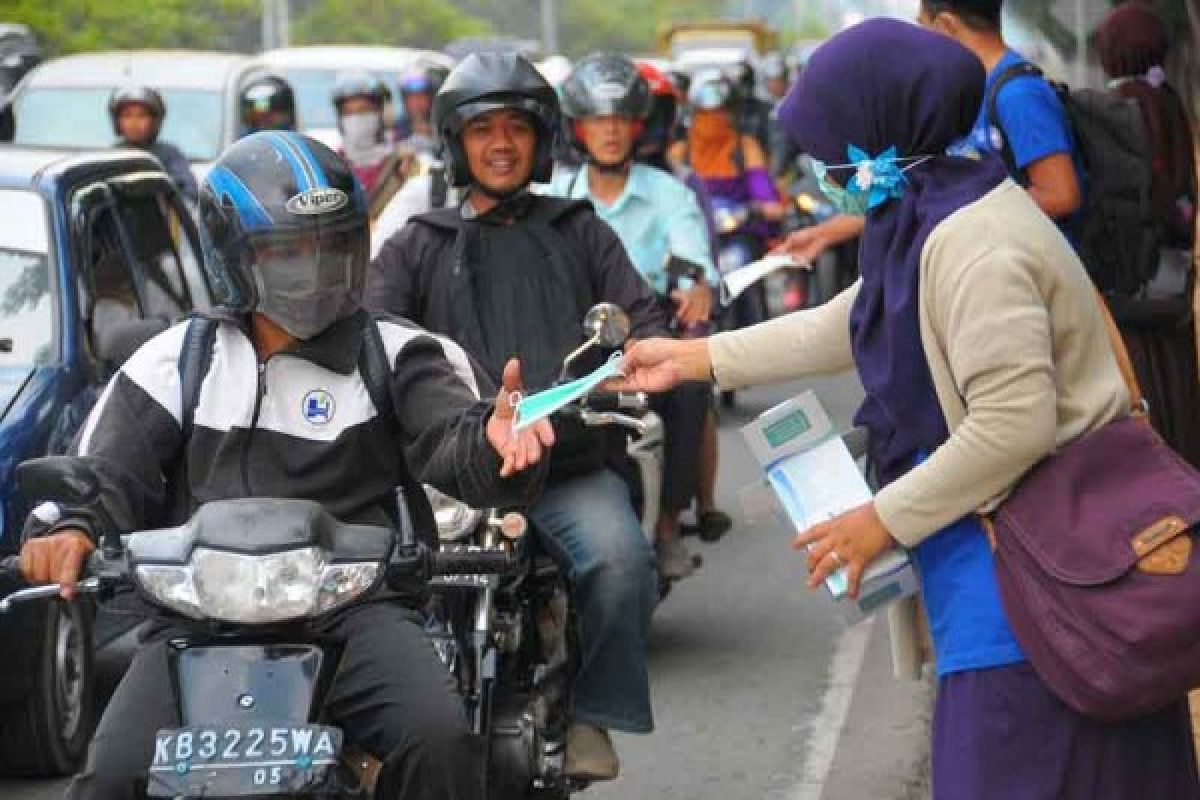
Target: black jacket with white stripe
<point>300,425</point>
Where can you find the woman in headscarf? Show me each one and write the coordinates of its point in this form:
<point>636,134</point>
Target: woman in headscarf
<point>1132,43</point>
<point>982,348</point>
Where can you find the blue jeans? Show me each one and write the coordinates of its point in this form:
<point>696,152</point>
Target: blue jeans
<point>587,523</point>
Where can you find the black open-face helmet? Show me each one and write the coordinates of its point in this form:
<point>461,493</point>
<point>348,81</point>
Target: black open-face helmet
<point>486,82</point>
<point>266,93</point>
<point>605,84</point>
<point>285,231</point>
<point>139,95</point>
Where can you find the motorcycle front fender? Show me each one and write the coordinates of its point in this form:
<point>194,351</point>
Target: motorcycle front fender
<point>237,684</point>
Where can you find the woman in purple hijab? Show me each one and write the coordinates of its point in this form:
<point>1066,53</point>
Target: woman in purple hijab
<point>981,348</point>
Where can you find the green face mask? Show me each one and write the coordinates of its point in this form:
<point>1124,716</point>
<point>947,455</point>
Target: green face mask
<point>542,404</point>
<point>841,198</point>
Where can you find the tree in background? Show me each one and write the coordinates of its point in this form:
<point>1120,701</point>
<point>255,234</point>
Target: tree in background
<point>416,23</point>
<point>68,26</point>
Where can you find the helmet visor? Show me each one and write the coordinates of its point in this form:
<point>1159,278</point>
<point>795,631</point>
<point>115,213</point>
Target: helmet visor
<point>708,96</point>
<point>305,283</point>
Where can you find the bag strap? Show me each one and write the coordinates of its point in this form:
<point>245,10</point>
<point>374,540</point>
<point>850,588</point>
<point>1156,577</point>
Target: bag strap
<point>195,358</point>
<point>1010,73</point>
<point>375,369</point>
<point>439,187</point>
<point>1137,399</point>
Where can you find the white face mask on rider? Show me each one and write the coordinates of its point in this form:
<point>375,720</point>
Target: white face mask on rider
<point>361,131</point>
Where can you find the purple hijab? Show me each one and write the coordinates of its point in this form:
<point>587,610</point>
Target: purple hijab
<point>882,83</point>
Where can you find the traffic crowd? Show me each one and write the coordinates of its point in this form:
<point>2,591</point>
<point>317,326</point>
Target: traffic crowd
<point>985,210</point>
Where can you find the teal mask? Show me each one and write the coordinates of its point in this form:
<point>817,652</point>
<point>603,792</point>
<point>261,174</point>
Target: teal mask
<point>875,180</point>
<point>542,404</point>
<point>841,198</point>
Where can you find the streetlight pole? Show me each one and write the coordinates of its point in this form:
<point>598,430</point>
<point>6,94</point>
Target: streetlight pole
<point>283,16</point>
<point>276,24</point>
<point>267,31</point>
<point>549,9</point>
<point>1080,43</point>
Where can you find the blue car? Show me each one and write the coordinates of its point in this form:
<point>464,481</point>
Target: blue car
<point>98,252</point>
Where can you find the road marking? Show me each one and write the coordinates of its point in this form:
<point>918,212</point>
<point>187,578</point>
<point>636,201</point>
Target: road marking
<point>825,729</point>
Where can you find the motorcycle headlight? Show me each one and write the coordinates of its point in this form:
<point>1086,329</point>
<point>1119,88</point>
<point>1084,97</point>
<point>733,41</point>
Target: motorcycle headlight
<point>726,222</point>
<point>454,519</point>
<point>256,590</point>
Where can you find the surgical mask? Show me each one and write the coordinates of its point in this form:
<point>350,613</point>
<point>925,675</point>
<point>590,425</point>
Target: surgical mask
<point>542,404</point>
<point>361,131</point>
<point>308,286</point>
<point>875,180</point>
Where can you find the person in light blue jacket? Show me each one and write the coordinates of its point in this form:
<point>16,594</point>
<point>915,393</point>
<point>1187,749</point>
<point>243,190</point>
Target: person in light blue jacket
<point>660,223</point>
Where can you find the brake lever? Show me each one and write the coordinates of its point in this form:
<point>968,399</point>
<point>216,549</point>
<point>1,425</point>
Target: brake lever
<point>86,586</point>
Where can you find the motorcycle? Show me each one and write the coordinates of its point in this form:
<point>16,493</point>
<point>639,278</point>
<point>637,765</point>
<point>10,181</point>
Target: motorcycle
<point>737,246</point>
<point>251,674</point>
<point>834,270</point>
<point>249,670</point>
<point>512,643</point>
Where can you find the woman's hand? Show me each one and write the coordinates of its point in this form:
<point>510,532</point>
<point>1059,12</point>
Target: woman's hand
<point>518,449</point>
<point>693,305</point>
<point>656,365</point>
<point>807,244</point>
<point>852,540</point>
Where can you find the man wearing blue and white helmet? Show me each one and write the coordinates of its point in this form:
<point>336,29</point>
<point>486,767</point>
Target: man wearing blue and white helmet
<point>286,405</point>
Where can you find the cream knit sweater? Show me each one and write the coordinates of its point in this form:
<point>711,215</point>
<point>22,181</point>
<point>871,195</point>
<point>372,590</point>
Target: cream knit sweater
<point>1015,341</point>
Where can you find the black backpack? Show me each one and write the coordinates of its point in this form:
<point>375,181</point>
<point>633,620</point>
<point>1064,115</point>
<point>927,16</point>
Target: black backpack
<point>195,358</point>
<point>1118,234</point>
<point>412,509</point>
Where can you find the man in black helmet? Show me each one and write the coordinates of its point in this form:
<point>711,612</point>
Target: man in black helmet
<point>286,404</point>
<point>137,114</point>
<point>660,223</point>
<point>266,102</point>
<point>512,273</point>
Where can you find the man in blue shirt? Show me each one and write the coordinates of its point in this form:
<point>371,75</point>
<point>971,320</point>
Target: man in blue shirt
<point>659,221</point>
<point>1031,117</point>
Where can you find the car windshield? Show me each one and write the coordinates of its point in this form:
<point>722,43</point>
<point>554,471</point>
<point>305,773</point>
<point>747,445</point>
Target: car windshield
<point>26,304</point>
<point>314,94</point>
<point>67,117</point>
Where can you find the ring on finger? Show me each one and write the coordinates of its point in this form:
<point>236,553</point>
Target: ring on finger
<point>837,558</point>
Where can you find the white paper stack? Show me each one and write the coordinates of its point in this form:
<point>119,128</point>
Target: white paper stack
<point>815,479</point>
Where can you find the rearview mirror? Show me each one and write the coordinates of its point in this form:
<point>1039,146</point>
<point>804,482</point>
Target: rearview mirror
<point>607,324</point>
<point>114,341</point>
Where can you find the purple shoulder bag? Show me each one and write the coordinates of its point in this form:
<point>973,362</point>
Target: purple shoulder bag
<point>1099,571</point>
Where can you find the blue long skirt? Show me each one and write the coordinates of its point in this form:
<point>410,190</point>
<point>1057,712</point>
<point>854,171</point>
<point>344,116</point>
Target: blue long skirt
<point>1000,734</point>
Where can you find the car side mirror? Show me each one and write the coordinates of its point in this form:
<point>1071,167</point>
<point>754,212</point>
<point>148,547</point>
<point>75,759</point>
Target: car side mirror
<point>114,341</point>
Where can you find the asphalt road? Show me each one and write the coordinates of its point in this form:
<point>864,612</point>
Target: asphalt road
<point>754,678</point>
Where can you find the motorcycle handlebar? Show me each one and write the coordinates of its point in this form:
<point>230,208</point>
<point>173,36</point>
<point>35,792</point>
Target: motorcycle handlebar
<point>616,401</point>
<point>474,561</point>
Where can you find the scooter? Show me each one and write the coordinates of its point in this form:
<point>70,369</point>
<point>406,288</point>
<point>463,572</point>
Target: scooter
<point>249,670</point>
<point>737,247</point>
<point>834,270</point>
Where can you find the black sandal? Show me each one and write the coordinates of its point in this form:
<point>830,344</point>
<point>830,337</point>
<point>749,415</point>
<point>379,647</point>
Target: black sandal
<point>710,526</point>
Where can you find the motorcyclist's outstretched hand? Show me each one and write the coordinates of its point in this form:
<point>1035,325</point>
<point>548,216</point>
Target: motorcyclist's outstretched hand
<point>57,558</point>
<point>518,449</point>
<point>656,365</point>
